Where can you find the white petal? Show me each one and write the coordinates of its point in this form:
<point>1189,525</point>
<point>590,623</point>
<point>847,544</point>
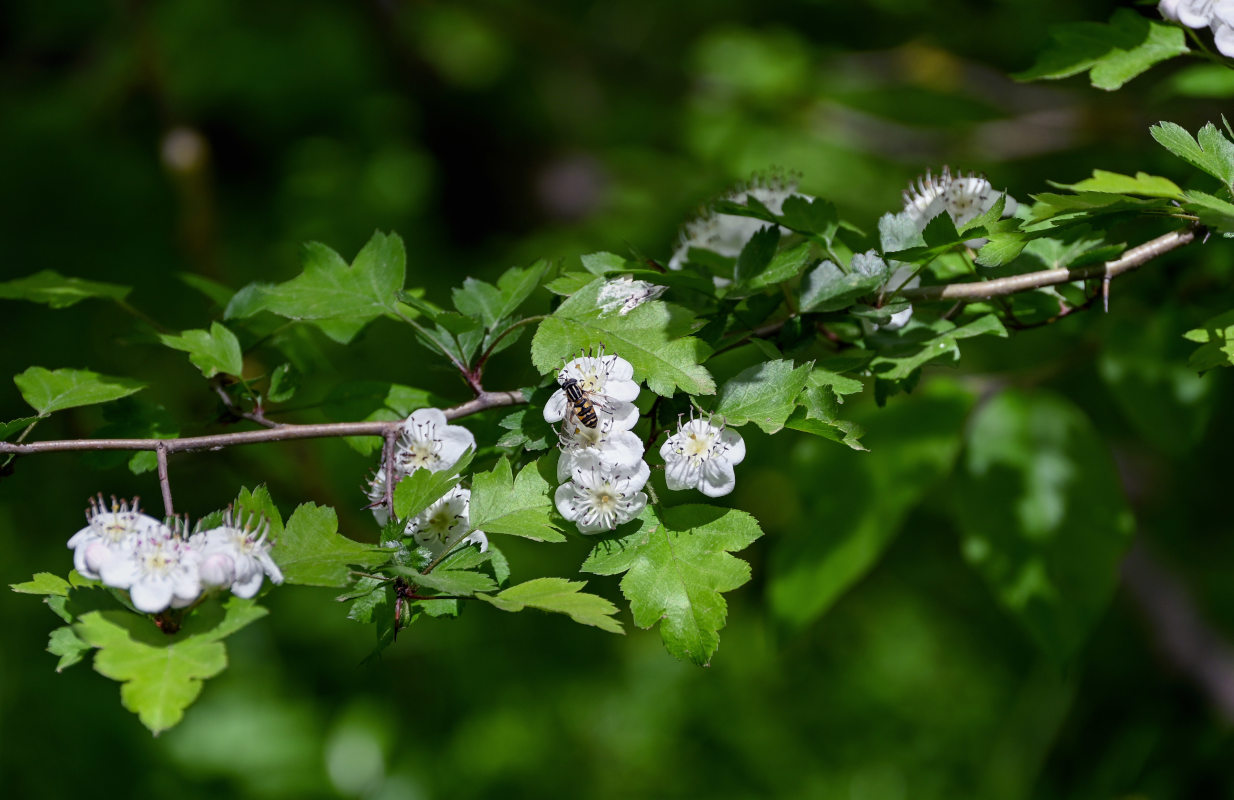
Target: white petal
<point>247,588</point>
<point>119,572</point>
<point>556,407</point>
<point>681,473</point>
<point>624,415</point>
<point>566,495</point>
<point>638,502</point>
<point>637,478</point>
<point>422,417</point>
<point>736,446</point>
<point>271,569</point>
<point>455,440</point>
<point>477,537</point>
<point>1223,36</point>
<point>621,390</point>
<point>718,478</point>
<point>217,569</point>
<point>81,536</point>
<point>617,368</point>
<point>623,448</point>
<point>151,596</point>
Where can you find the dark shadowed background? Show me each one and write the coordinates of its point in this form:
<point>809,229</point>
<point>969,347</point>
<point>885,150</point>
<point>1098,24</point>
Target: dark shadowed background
<point>140,141</point>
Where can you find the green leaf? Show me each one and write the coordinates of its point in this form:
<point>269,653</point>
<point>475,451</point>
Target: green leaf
<point>422,488</point>
<point>913,445</point>
<point>561,596</point>
<point>811,216</point>
<point>757,254</point>
<point>1217,338</point>
<point>258,503</point>
<point>841,431</point>
<point>764,394</point>
<point>54,390</point>
<point>520,506</point>
<point>14,427</point>
<point>213,351</point>
<point>1042,515</point>
<point>43,583</point>
<point>1112,53</point>
<point>653,338</point>
<point>1213,152</point>
<point>906,350</point>
<point>311,551</point>
<point>214,291</point>
<point>603,263</point>
<point>461,582</point>
<point>677,564</point>
<point>57,291</point>
<point>489,303</point>
<point>65,642</point>
<point>526,429</point>
<point>342,299</point>
<point>1114,183</point>
<point>827,288</point>
<point>569,283</point>
<point>284,381</point>
<point>1212,211</point>
<point>784,266</point>
<point>161,675</point>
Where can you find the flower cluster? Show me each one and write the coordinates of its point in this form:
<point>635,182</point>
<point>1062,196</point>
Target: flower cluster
<point>727,234</point>
<point>1217,15</point>
<point>601,468</point>
<point>427,441</point>
<point>163,567</point>
<point>963,197</point>
<point>625,294</point>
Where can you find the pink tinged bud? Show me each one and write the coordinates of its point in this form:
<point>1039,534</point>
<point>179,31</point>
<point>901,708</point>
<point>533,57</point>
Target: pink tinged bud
<point>98,556</point>
<point>217,569</point>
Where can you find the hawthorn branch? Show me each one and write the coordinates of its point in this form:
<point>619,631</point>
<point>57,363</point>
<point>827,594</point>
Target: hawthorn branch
<point>164,481</point>
<point>327,430</point>
<point>1132,259</point>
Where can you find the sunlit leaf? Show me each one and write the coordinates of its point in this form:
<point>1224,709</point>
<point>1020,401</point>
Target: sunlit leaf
<point>54,390</point>
<point>560,596</point>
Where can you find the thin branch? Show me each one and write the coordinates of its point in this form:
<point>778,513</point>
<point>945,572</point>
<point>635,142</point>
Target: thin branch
<point>388,455</point>
<point>326,430</point>
<point>1132,259</point>
<point>164,482</point>
<point>257,415</point>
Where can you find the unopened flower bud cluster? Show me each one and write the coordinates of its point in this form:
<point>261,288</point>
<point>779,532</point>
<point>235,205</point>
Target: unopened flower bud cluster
<point>428,441</point>
<point>163,567</point>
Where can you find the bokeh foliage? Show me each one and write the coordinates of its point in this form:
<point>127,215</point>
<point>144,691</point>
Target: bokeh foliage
<point>142,142</point>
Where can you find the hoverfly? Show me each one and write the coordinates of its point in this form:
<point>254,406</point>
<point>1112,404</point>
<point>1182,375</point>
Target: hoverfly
<point>580,401</point>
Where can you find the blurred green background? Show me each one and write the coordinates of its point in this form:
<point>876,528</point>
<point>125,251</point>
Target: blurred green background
<point>143,140</point>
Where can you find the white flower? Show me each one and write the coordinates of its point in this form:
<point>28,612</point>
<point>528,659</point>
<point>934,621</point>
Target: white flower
<point>237,555</point>
<point>622,448</point>
<point>601,496</point>
<point>727,234</point>
<point>440,525</point>
<point>627,294</point>
<point>963,197</point>
<point>160,570</point>
<point>429,442</point>
<point>109,536</point>
<point>608,381</point>
<point>701,455</point>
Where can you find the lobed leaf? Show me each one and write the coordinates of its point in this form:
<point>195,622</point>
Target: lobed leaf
<point>521,506</point>
<point>1112,53</point>
<point>311,551</point>
<point>213,351</point>
<point>561,596</point>
<point>676,565</point>
<point>422,488</point>
<point>653,338</point>
<point>58,291</point>
<point>161,675</point>
<point>48,391</point>
<point>764,394</point>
